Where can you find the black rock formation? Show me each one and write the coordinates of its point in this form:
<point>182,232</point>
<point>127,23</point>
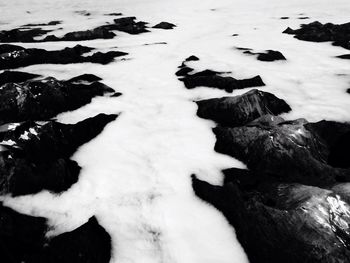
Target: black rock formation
<point>267,56</point>
<point>164,25</point>
<point>15,77</point>
<point>318,32</point>
<point>97,33</point>
<point>35,155</point>
<point>128,25</point>
<point>45,98</point>
<point>239,110</point>
<point>21,57</point>
<point>22,35</point>
<point>22,239</point>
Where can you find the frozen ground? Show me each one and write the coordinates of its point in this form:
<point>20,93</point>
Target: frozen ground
<point>136,174</point>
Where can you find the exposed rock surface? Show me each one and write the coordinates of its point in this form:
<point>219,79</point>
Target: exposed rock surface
<point>268,55</point>
<point>272,145</point>
<point>164,25</point>
<point>35,155</point>
<point>213,79</point>
<point>15,77</point>
<point>22,35</point>
<point>318,32</point>
<point>21,57</point>
<point>239,110</point>
<point>51,23</point>
<point>22,239</point>
<point>128,25</point>
<point>97,33</point>
<point>44,99</point>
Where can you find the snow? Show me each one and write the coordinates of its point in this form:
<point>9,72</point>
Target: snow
<point>136,173</point>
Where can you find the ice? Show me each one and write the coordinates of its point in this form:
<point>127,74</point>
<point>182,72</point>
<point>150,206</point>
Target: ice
<point>136,174</point>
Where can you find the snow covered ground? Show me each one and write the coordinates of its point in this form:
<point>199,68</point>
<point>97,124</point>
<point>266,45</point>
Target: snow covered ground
<point>136,174</point>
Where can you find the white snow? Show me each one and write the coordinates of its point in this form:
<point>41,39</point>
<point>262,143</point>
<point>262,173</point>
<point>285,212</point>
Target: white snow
<point>136,173</point>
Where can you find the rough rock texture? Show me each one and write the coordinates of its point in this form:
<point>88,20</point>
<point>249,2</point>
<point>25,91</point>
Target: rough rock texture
<point>35,155</point>
<point>15,77</point>
<point>44,99</point>
<point>51,23</point>
<point>318,32</point>
<point>280,222</point>
<point>21,35</point>
<point>239,110</point>
<point>267,56</point>
<point>21,57</point>
<point>128,25</point>
<point>209,78</point>
<point>97,33</point>
<point>271,145</point>
<point>164,25</point>
<point>22,239</point>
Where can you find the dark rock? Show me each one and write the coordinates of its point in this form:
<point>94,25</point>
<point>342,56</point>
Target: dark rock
<point>164,25</point>
<point>277,222</point>
<point>128,25</point>
<point>239,110</point>
<point>15,77</point>
<point>346,56</point>
<point>183,71</point>
<point>85,77</point>
<point>35,156</point>
<point>271,145</point>
<point>268,55</point>
<point>44,99</point>
<point>318,32</point>
<point>33,56</point>
<point>235,35</point>
<point>284,17</point>
<point>192,58</point>
<point>22,239</point>
<point>304,17</point>
<point>116,94</point>
<point>21,35</point>
<point>87,244</point>
<point>114,14</point>
<point>52,23</point>
<point>97,33</point>
<point>271,55</point>
<point>209,78</point>
<point>7,48</point>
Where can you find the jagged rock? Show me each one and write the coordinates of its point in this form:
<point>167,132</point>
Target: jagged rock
<point>318,32</point>
<point>97,33</point>
<point>15,77</point>
<point>44,99</point>
<point>22,239</point>
<point>35,155</point>
<point>164,25</point>
<point>32,56</point>
<point>239,110</point>
<point>85,77</point>
<point>271,145</point>
<point>128,25</point>
<point>22,35</point>
<point>209,78</point>
<point>267,56</point>
<point>278,222</point>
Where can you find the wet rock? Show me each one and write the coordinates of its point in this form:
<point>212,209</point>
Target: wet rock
<point>32,56</point>
<point>15,77</point>
<point>268,55</point>
<point>279,222</point>
<point>22,239</point>
<point>209,78</point>
<point>318,32</point>
<point>44,99</point>
<point>164,25</point>
<point>34,156</point>
<point>239,110</point>
<point>21,35</point>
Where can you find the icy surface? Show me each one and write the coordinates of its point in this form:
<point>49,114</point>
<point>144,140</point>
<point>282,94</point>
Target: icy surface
<point>136,174</point>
